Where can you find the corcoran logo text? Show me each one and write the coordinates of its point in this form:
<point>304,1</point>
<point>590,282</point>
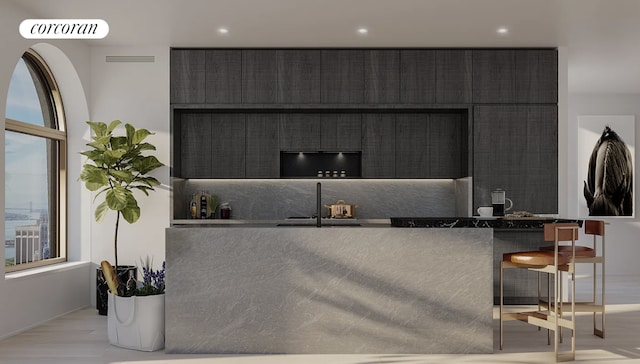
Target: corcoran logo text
<point>64,28</point>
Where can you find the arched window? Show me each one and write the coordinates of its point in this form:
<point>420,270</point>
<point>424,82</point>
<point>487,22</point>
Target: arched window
<point>35,167</point>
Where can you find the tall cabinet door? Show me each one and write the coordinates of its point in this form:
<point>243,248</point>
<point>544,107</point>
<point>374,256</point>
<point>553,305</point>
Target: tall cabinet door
<point>378,145</point>
<point>259,76</point>
<point>223,76</point>
<point>453,76</point>
<point>382,76</point>
<point>227,145</point>
<point>516,149</point>
<point>195,145</point>
<point>262,149</point>
<point>187,76</point>
<point>342,76</point>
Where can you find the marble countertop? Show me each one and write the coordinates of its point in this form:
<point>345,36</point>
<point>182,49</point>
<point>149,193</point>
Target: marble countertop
<point>505,223</point>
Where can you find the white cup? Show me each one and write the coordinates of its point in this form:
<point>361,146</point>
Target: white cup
<point>485,211</point>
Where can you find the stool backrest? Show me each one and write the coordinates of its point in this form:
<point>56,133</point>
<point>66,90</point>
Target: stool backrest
<point>594,227</point>
<point>563,234</point>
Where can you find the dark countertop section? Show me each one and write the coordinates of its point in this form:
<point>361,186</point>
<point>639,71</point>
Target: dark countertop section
<point>478,222</point>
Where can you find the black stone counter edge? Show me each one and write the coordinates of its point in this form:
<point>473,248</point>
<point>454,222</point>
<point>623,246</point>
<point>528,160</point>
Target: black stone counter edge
<point>473,222</point>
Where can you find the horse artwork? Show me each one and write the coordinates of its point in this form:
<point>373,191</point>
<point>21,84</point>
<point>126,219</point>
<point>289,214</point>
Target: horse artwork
<point>608,190</point>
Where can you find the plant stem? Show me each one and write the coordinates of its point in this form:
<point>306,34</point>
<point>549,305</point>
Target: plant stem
<point>115,240</point>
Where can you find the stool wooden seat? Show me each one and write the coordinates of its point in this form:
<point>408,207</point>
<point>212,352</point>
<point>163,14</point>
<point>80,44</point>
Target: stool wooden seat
<point>581,251</point>
<point>536,257</point>
<point>552,262</point>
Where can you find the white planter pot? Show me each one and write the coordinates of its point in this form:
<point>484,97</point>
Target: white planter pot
<point>136,322</point>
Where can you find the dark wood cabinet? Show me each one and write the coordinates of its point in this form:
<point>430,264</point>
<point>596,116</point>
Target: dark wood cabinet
<point>299,132</point>
<point>453,76</point>
<point>341,132</point>
<point>515,76</point>
<point>262,146</point>
<point>342,76</point>
<point>378,145</point>
<point>431,145</point>
<point>187,76</point>
<point>298,76</point>
<point>516,149</point>
<point>212,145</point>
<point>227,145</point>
<point>223,70</point>
<point>195,145</point>
<point>382,76</point>
<point>418,76</point>
<point>259,76</point>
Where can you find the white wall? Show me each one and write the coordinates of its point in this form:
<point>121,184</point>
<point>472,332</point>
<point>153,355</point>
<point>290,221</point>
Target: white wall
<point>623,244</point>
<point>136,93</point>
<point>27,300</point>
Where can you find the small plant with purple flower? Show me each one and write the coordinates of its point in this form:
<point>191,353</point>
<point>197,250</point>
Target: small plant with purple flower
<point>152,280</point>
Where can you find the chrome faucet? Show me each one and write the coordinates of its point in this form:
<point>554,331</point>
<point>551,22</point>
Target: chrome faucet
<point>318,205</point>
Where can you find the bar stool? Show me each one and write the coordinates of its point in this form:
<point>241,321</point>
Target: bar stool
<point>585,254</point>
<point>551,262</point>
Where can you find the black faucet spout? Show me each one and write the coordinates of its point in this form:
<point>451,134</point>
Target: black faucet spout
<point>319,205</point>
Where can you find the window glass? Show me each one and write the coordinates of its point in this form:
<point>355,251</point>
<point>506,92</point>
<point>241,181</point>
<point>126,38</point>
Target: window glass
<point>34,168</point>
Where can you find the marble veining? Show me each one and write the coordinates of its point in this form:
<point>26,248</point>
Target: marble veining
<point>329,290</point>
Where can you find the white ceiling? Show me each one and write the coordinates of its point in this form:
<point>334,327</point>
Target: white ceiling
<point>602,36</point>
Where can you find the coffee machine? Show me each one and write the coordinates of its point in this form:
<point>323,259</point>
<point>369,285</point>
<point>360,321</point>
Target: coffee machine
<point>498,200</point>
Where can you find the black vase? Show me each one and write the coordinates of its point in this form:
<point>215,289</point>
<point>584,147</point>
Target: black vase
<point>123,273</point>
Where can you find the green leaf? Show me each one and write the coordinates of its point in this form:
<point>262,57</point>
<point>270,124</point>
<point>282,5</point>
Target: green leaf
<point>114,124</point>
<point>132,212</point>
<point>99,128</point>
<point>94,155</point>
<point>124,176</point>
<point>101,211</point>
<point>146,146</point>
<point>130,133</point>
<point>94,177</point>
<point>144,189</point>
<point>119,143</point>
<point>148,181</point>
<point>146,164</point>
<point>115,154</point>
<point>140,135</point>
<point>116,198</point>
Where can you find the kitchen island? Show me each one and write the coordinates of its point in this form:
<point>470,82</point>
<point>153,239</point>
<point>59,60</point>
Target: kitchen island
<point>261,288</point>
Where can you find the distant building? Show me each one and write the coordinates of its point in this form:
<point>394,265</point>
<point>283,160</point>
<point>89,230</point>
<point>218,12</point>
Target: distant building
<point>32,241</point>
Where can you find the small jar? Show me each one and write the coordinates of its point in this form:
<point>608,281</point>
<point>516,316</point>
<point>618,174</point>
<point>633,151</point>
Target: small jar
<point>343,174</point>
<point>225,211</point>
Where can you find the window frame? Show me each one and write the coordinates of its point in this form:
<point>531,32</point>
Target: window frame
<point>56,132</point>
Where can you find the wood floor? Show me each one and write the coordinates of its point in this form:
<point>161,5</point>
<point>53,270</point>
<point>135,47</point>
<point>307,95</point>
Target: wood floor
<point>81,337</point>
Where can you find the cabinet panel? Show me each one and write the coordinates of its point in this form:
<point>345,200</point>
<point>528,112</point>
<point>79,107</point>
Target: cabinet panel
<point>515,148</point>
<point>536,73</point>
<point>227,145</point>
<point>259,76</point>
<point>453,76</point>
<point>378,145</point>
<point>418,76</point>
<point>195,145</point>
<point>223,76</point>
<point>493,76</point>
<point>341,132</point>
<point>431,145</point>
<point>299,132</point>
<point>342,76</point>
<point>382,76</point>
<point>262,147</point>
<point>298,76</point>
<point>515,76</point>
<point>187,76</point>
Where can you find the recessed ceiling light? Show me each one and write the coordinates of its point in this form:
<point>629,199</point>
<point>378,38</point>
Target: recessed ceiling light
<point>223,31</point>
<point>503,30</point>
<point>363,31</point>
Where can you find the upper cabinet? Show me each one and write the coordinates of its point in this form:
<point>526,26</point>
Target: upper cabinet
<point>515,76</point>
<point>342,76</point>
<point>259,76</point>
<point>382,76</point>
<point>298,76</point>
<point>187,76</point>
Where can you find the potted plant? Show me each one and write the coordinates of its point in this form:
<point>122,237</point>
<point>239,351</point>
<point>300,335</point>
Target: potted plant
<point>135,320</point>
<point>116,167</point>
